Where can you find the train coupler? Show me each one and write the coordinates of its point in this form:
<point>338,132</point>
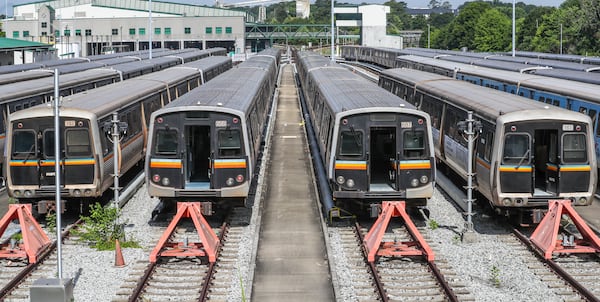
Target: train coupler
<point>35,241</point>
<point>373,242</point>
<point>545,237</point>
<point>46,206</point>
<point>209,242</point>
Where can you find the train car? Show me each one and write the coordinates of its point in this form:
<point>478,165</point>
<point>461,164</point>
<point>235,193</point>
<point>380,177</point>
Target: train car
<point>527,152</point>
<point>385,57</point>
<point>568,94</point>
<point>375,146</point>
<point>86,153</point>
<point>205,145</point>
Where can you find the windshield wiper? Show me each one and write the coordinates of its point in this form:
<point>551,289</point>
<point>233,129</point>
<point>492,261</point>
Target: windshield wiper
<point>523,158</point>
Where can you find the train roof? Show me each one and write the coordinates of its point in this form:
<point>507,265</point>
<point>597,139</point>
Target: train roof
<point>488,103</point>
<point>574,75</point>
<point>12,91</point>
<point>580,90</point>
<point>206,63</point>
<point>24,76</point>
<point>561,57</point>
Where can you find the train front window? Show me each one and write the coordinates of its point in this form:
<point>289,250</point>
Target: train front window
<point>24,144</point>
<point>516,149</point>
<point>230,143</point>
<point>49,143</point>
<point>166,142</point>
<point>78,143</point>
<point>351,144</point>
<point>574,147</point>
<point>414,144</point>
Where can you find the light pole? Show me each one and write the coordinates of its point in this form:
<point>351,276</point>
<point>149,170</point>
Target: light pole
<point>150,28</point>
<point>428,35</point>
<point>513,29</point>
<point>332,34</point>
<point>561,34</point>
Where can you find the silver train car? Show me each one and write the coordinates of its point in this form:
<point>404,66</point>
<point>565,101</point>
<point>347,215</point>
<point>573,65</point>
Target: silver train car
<point>205,145</point>
<point>87,161</point>
<point>527,152</point>
<point>375,146</point>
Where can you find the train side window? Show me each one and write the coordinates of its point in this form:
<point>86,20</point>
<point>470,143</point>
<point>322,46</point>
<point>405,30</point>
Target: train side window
<point>414,144</point>
<point>24,144</point>
<point>351,144</point>
<point>574,147</point>
<point>516,149</point>
<point>230,143</point>
<point>166,142</point>
<point>78,143</point>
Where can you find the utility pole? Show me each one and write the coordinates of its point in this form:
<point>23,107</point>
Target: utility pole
<point>470,129</point>
<point>150,32</point>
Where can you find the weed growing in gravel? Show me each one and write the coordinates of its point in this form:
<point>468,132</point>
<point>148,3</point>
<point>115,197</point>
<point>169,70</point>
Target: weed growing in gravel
<point>101,230</point>
<point>51,221</point>
<point>495,276</point>
<point>433,224</point>
<point>456,239</point>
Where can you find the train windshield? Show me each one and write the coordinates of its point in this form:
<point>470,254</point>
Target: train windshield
<point>78,143</point>
<point>516,149</point>
<point>166,142</point>
<point>24,144</point>
<point>230,144</point>
<point>574,148</point>
<point>351,144</point>
<point>414,144</point>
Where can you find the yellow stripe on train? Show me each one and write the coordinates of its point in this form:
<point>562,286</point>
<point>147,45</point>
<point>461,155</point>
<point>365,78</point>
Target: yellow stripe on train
<point>165,164</point>
<point>415,165</point>
<point>583,168</point>
<point>350,165</point>
<point>516,169</point>
<point>230,164</point>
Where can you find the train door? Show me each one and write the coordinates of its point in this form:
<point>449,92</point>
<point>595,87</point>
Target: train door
<point>382,159</point>
<point>545,162</point>
<point>47,174</point>
<point>198,156</point>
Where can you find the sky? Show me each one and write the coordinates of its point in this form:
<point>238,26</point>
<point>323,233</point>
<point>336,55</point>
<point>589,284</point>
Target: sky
<point>410,3</point>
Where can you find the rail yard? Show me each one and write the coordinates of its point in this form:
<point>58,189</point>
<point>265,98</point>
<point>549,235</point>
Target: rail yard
<point>285,243</point>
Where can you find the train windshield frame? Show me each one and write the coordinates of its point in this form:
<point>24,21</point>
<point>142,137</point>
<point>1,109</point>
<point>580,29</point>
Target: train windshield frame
<point>166,142</point>
<point>24,144</point>
<point>414,144</point>
<point>574,148</point>
<point>230,143</point>
<point>351,144</point>
<point>517,148</point>
<point>78,143</point>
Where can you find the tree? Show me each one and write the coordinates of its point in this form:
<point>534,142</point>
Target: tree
<point>492,31</point>
<point>434,4</point>
<point>529,26</point>
<point>461,31</point>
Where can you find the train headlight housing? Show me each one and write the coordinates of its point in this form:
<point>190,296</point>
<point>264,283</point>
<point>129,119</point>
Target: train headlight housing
<point>340,179</point>
<point>229,181</point>
<point>582,201</point>
<point>165,181</point>
<point>424,179</point>
<point>350,183</point>
<point>87,192</point>
<point>239,178</point>
<point>17,193</point>
<point>76,192</point>
<point>28,193</point>
<point>156,178</point>
<point>414,182</point>
<point>506,202</point>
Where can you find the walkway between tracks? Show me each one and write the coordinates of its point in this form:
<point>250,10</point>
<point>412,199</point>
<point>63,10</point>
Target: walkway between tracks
<point>291,262</point>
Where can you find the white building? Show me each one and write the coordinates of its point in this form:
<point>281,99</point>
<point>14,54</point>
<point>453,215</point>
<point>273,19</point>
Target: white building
<point>85,27</point>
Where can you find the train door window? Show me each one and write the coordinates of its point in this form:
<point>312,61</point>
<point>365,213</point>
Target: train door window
<point>414,144</point>
<point>24,144</point>
<point>230,143</point>
<point>516,149</point>
<point>48,143</point>
<point>166,142</point>
<point>351,144</point>
<point>574,148</point>
<point>488,141</point>
<point>552,148</point>
<point>78,143</point>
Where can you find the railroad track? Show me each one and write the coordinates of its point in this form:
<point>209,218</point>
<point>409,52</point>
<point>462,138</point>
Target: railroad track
<point>389,278</point>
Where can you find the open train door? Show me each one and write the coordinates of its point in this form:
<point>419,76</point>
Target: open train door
<point>546,165</point>
<point>198,157</point>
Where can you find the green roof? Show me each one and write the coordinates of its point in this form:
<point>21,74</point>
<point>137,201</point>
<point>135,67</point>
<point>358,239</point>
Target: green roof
<point>6,43</point>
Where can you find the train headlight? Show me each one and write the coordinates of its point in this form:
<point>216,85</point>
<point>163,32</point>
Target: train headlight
<point>239,178</point>
<point>229,181</point>
<point>156,178</point>
<point>340,179</point>
<point>582,201</point>
<point>17,193</point>
<point>414,182</point>
<point>424,179</point>
<point>506,202</point>
<point>87,192</point>
<point>28,193</point>
<point>165,181</point>
<point>76,192</point>
<point>350,183</point>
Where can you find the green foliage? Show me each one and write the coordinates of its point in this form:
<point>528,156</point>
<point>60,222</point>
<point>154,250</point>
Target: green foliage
<point>101,229</point>
<point>492,32</point>
<point>433,224</point>
<point>495,276</point>
<point>51,221</point>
